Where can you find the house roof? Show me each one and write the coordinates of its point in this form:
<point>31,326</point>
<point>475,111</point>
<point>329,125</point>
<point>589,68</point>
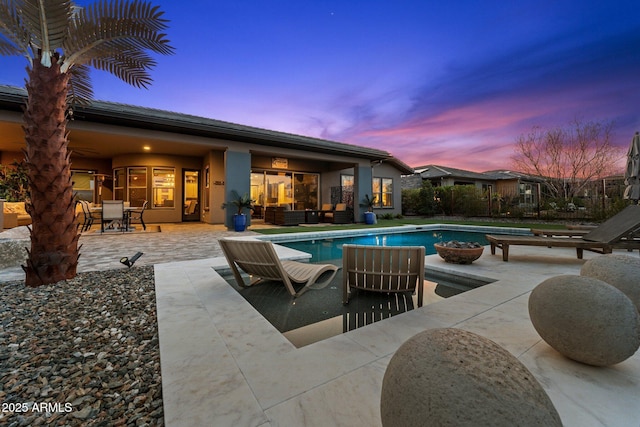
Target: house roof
<point>436,171</point>
<point>507,174</point>
<point>110,113</point>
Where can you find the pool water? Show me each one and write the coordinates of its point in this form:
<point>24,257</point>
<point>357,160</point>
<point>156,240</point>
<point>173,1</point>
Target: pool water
<point>319,313</point>
<point>330,250</point>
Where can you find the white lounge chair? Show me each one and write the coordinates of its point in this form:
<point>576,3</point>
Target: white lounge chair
<point>259,259</point>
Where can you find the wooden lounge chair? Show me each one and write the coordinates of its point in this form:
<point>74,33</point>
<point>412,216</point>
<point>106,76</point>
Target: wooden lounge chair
<point>259,259</point>
<point>382,269</point>
<point>550,232</point>
<point>617,232</point>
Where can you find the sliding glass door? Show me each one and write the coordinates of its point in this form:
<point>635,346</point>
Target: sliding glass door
<point>296,191</point>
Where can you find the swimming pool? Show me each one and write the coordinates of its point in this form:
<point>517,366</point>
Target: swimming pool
<point>320,314</point>
<point>329,248</point>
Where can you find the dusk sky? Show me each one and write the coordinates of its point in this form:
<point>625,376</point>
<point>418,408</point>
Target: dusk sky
<point>433,82</point>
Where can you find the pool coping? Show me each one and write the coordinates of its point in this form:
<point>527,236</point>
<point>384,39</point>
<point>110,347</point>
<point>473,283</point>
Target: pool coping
<point>310,235</point>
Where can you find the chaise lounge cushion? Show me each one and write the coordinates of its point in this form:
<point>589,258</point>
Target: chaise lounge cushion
<point>15,214</point>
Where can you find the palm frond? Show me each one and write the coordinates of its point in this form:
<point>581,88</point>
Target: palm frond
<point>80,87</point>
<point>130,67</point>
<point>48,22</point>
<point>7,48</point>
<point>113,26</point>
<point>115,36</point>
<point>14,37</point>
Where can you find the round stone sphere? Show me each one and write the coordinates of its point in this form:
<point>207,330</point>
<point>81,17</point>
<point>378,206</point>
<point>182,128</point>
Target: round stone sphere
<point>620,271</point>
<point>585,319</point>
<point>451,377</point>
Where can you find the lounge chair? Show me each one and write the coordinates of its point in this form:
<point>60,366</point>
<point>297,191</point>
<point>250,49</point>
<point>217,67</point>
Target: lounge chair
<point>259,259</point>
<point>382,269</point>
<point>617,232</point>
<point>550,232</point>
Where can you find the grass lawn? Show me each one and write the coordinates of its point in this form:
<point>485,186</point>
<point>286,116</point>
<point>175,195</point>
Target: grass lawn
<point>412,221</point>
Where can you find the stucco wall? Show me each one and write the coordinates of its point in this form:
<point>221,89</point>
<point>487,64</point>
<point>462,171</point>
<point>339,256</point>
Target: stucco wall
<point>159,215</point>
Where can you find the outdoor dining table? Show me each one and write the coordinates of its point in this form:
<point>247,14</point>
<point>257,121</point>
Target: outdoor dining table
<point>127,214</point>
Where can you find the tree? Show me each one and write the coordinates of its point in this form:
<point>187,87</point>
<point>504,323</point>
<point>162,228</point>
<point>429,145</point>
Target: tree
<point>14,182</point>
<point>427,199</point>
<point>61,42</point>
<point>569,158</point>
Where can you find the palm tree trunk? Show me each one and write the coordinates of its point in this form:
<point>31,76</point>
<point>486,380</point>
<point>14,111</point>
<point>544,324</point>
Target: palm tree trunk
<point>54,233</point>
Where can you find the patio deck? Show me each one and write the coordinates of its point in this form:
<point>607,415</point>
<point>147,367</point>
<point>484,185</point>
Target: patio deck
<point>233,368</point>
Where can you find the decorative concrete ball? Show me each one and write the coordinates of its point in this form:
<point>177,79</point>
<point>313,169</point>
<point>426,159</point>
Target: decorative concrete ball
<point>585,319</point>
<point>621,271</point>
<point>451,377</point>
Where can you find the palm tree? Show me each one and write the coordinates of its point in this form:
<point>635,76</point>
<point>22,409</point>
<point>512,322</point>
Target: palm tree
<point>61,41</point>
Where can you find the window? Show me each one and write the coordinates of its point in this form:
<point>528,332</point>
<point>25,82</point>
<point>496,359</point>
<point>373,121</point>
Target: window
<point>278,186</point>
<point>383,192</point>
<point>118,184</point>
<point>83,184</point>
<point>164,183</point>
<point>207,178</point>
<point>137,188</point>
<point>305,190</point>
<point>347,183</point>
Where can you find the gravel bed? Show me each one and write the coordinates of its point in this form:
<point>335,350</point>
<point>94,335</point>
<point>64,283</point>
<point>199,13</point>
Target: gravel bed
<point>83,352</point>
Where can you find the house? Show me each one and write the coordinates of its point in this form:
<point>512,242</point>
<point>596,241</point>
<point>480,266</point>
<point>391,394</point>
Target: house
<point>521,189</point>
<point>443,176</point>
<point>187,166</point>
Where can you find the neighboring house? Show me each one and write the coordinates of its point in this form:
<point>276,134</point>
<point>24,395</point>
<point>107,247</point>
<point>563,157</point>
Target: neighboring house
<point>522,188</point>
<point>187,166</point>
<point>442,176</point>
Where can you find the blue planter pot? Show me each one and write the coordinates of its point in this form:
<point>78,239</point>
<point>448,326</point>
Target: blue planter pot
<point>240,222</point>
<point>369,218</point>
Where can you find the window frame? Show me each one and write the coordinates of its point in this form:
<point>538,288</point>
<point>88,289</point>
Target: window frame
<point>378,190</point>
<point>171,186</point>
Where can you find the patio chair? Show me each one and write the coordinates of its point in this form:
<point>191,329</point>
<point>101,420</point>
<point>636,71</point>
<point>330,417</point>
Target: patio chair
<point>382,269</point>
<point>617,232</point>
<point>340,215</point>
<point>137,214</point>
<point>113,215</point>
<point>259,259</point>
<point>88,216</point>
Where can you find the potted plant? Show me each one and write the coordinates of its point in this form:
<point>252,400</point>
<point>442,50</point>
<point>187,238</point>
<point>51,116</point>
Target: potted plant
<point>369,203</point>
<point>241,203</point>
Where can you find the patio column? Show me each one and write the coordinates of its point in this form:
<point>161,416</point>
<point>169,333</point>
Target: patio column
<point>363,177</point>
<point>237,170</point>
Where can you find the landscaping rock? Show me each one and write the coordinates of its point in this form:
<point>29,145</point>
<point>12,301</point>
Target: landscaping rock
<point>620,271</point>
<point>82,352</point>
<point>451,377</point>
<point>585,319</point>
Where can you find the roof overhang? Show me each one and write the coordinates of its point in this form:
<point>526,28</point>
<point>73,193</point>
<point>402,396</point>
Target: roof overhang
<point>121,115</point>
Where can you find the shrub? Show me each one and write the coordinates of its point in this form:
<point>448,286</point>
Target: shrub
<point>14,183</point>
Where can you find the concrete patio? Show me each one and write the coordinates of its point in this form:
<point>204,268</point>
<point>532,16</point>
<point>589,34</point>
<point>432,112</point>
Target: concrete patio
<point>223,364</point>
